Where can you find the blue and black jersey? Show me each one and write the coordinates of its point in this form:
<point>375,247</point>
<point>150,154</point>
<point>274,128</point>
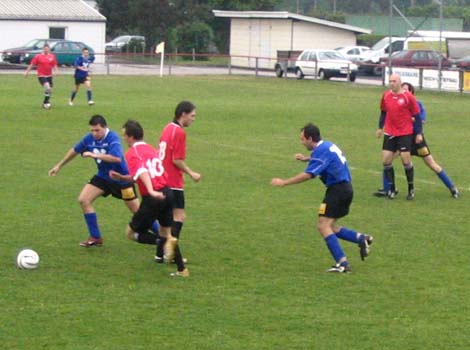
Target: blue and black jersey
<point>327,162</point>
<point>109,144</point>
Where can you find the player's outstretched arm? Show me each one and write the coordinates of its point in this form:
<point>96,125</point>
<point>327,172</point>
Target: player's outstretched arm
<point>301,177</point>
<point>301,157</point>
<point>67,158</point>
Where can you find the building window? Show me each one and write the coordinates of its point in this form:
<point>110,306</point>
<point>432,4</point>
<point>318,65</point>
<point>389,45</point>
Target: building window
<point>56,33</point>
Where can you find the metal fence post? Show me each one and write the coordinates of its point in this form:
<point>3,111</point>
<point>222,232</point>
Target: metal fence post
<point>230,65</point>
<point>256,68</point>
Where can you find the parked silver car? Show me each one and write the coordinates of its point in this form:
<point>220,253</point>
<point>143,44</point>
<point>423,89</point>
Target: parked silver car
<point>324,64</point>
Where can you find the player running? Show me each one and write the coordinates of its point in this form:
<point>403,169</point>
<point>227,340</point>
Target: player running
<point>104,146</point>
<point>82,76</point>
<point>46,64</point>
<point>328,162</point>
<point>146,168</point>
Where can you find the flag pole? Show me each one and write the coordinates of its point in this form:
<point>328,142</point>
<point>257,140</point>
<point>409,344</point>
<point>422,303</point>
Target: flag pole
<point>161,62</point>
<point>160,49</point>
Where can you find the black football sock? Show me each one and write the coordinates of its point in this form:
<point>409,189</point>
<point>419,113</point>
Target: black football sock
<point>160,244</point>
<point>179,259</point>
<point>409,171</point>
<point>390,176</point>
<point>176,229</point>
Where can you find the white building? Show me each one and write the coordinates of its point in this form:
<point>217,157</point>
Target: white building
<point>24,20</point>
<point>262,33</point>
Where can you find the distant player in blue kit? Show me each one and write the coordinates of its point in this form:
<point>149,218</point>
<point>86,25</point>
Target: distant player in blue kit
<point>327,162</point>
<point>81,76</point>
<point>104,146</point>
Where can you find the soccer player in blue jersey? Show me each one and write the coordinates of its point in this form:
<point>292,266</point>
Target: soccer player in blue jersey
<point>104,146</point>
<point>81,76</point>
<point>328,162</point>
<point>422,150</point>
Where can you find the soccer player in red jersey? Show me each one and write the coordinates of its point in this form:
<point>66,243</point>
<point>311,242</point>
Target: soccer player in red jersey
<point>173,149</point>
<point>398,111</point>
<point>146,168</point>
<point>46,63</point>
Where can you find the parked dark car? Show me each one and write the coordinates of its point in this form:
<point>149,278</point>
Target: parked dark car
<point>125,43</point>
<point>417,58</point>
<point>17,54</point>
<point>66,52</point>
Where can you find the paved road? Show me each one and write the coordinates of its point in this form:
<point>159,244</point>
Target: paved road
<point>141,69</point>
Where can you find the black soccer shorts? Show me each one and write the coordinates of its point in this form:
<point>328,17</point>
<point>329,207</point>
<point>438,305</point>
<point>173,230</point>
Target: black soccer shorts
<point>152,209</point>
<point>337,200</point>
<point>397,143</point>
<point>125,192</point>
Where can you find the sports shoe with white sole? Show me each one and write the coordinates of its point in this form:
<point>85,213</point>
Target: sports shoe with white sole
<point>91,103</point>
<point>92,242</point>
<point>184,273</point>
<point>455,192</point>
<point>340,269</point>
<point>70,103</point>
<point>364,246</point>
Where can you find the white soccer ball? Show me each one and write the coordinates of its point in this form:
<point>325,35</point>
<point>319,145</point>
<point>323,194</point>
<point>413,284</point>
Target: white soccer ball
<point>27,259</point>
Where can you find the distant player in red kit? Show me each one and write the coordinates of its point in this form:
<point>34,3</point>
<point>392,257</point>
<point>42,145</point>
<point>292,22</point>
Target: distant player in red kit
<point>172,147</point>
<point>146,168</point>
<point>46,63</point>
<point>399,110</point>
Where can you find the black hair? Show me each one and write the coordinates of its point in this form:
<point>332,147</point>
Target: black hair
<point>411,88</point>
<point>184,107</point>
<point>98,120</point>
<point>311,131</point>
<point>132,128</point>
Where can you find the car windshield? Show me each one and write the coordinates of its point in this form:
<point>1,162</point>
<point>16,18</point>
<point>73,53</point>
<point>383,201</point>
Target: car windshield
<point>330,55</point>
<point>381,44</point>
<point>119,39</point>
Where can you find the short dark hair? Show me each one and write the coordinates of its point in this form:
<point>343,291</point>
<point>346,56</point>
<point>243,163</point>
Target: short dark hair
<point>98,120</point>
<point>311,131</point>
<point>411,88</point>
<point>132,128</point>
<point>46,45</point>
<point>184,107</point>
<point>85,48</point>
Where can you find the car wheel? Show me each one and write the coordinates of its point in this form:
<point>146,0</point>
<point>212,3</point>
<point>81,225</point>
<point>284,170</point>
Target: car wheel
<point>352,77</point>
<point>279,71</point>
<point>299,74</point>
<point>322,75</point>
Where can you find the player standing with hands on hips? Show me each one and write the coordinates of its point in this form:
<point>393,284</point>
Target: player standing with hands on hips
<point>172,145</point>
<point>328,162</point>
<point>46,64</point>
<point>82,76</point>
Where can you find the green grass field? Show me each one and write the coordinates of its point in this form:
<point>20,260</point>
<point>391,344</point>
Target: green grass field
<point>257,263</point>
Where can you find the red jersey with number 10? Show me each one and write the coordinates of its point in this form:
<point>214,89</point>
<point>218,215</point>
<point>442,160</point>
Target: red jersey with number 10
<point>173,145</point>
<point>142,157</point>
<point>400,109</point>
<point>44,64</point>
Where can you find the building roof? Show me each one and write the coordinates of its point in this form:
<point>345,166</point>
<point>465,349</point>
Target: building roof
<point>49,10</point>
<point>288,15</point>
